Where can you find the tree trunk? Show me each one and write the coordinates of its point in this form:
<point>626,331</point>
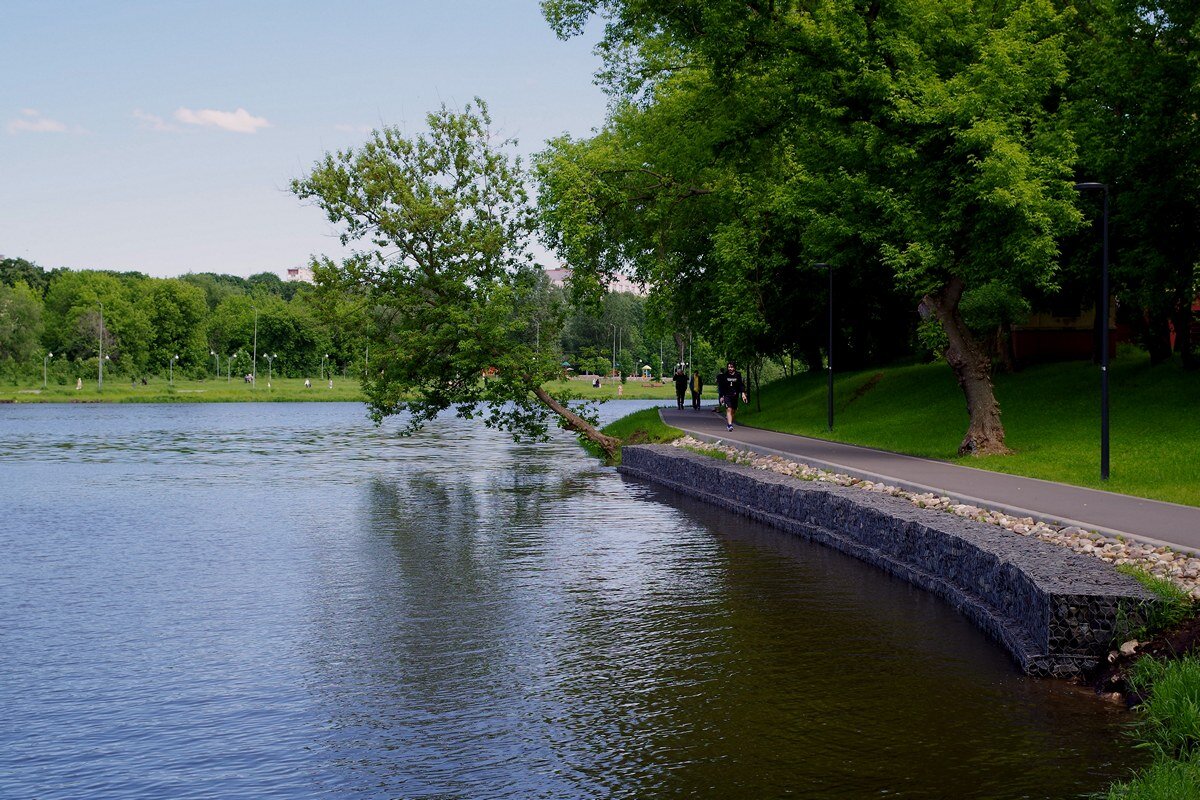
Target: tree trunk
<point>972,368</point>
<point>1182,320</point>
<point>1158,336</point>
<point>576,423</point>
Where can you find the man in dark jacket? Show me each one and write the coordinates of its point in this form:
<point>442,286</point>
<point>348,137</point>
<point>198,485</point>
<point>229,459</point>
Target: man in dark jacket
<point>730,388</point>
<point>697,389</point>
<point>681,382</point>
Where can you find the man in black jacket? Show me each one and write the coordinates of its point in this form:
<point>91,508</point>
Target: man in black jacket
<point>680,385</point>
<point>730,388</point>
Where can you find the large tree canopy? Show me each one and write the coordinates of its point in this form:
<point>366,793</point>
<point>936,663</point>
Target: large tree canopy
<point>459,316</point>
<point>753,139</point>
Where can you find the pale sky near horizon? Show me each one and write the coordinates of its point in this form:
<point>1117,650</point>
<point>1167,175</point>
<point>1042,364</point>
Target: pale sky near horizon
<point>162,136</point>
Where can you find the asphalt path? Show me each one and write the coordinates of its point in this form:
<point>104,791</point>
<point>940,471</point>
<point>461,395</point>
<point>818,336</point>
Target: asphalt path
<point>1150,521</point>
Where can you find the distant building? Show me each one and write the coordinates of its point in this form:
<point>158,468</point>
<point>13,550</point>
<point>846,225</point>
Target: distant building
<point>303,274</point>
<point>560,275</point>
<point>1061,334</point>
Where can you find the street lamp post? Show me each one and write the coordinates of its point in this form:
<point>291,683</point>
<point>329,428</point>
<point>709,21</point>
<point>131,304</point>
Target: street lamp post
<point>829,351</point>
<point>324,359</point>
<point>1085,187</point>
<point>171,370</point>
<point>270,357</point>
<point>254,358</point>
<point>100,357</point>
<point>216,362</point>
<point>45,359</point>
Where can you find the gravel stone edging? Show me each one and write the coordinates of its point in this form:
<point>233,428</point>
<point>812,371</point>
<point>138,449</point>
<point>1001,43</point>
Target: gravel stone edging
<point>1182,569</point>
<point>1054,610</point>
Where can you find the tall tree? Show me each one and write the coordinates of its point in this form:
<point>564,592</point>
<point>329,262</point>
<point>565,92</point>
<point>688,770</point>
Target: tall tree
<point>441,223</point>
<point>923,135</point>
<point>1137,107</point>
<point>20,321</point>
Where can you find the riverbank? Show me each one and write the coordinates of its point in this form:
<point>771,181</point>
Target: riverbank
<point>1056,612</point>
<point>290,390</point>
<point>1180,569</point>
<point>1050,412</point>
<point>159,390</point>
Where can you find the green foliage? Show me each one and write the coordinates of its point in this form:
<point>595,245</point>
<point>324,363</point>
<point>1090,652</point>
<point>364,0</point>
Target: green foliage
<point>1136,113</point>
<point>175,311</point>
<point>640,427</point>
<point>917,148</point>
<point>20,322</point>
<point>458,316</point>
<point>1170,724</point>
<point>993,304</point>
<point>1163,780</point>
<point>18,270</point>
<point>1173,607</point>
<point>1050,409</point>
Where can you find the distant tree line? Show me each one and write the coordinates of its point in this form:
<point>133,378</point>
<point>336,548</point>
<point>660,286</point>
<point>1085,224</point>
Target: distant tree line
<point>208,319</point>
<point>201,322</point>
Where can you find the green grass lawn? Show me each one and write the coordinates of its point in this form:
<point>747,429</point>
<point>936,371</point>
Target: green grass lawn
<point>1051,414</point>
<point>159,390</point>
<point>640,427</point>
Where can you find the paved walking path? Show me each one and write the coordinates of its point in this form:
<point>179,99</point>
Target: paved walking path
<point>1113,514</point>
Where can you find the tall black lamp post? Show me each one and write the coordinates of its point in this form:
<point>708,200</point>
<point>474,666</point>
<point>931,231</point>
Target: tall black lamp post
<point>1086,187</point>
<point>829,350</point>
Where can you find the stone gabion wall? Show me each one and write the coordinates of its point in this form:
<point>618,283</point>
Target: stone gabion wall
<point>1056,611</point>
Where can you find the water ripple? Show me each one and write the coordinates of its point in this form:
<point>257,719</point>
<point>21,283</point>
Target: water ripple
<point>286,601</point>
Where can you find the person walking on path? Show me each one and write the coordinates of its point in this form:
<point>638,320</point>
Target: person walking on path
<point>697,389</point>
<point>730,388</point>
<point>681,383</point>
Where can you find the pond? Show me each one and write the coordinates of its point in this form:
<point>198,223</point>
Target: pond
<point>283,600</point>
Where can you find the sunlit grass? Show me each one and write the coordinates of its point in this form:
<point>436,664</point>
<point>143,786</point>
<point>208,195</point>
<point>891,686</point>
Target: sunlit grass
<point>160,390</point>
<point>640,427</point>
<point>1051,415</point>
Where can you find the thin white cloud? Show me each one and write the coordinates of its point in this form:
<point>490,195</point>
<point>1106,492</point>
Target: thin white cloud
<point>152,122</point>
<point>34,121</point>
<point>240,121</point>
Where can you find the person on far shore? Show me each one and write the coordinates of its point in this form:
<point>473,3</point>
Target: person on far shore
<point>681,382</point>
<point>730,388</point>
<point>697,389</point>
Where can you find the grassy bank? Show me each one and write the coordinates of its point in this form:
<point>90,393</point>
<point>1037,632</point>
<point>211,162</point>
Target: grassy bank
<point>640,427</point>
<point>1051,415</point>
<point>1169,727</point>
<point>159,390</point>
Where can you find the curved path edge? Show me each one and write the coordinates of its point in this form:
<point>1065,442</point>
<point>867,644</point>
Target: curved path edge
<point>1151,521</point>
<point>1054,610</point>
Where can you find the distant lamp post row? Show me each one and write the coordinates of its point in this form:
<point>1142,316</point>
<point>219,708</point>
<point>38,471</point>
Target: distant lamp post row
<point>1103,309</point>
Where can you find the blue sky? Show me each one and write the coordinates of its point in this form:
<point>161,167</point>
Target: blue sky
<point>161,136</point>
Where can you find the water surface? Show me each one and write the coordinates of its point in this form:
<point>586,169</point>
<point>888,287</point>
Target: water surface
<point>278,600</point>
